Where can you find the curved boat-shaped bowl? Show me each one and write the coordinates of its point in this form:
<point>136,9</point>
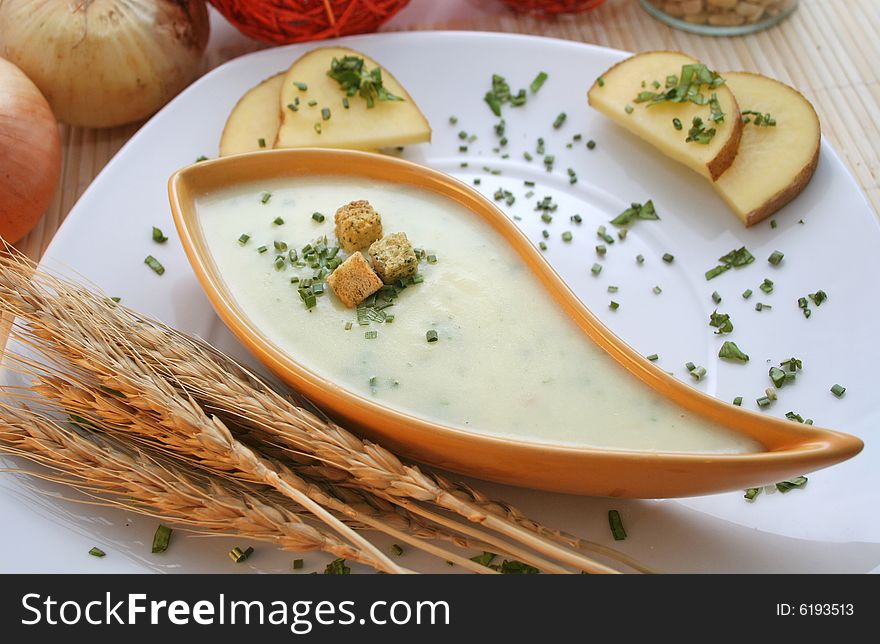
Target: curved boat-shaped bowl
<point>790,448</point>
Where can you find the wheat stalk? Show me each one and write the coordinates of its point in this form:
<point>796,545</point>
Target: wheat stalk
<point>55,311</point>
<point>141,483</point>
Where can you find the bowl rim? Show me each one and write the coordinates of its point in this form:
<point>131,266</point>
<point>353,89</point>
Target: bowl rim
<point>789,448</point>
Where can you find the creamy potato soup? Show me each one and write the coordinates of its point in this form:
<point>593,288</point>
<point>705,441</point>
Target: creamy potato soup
<point>506,360</point>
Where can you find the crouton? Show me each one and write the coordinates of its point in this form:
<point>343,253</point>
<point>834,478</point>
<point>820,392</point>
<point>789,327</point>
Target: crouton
<point>357,225</point>
<point>353,280</point>
<point>393,258</point>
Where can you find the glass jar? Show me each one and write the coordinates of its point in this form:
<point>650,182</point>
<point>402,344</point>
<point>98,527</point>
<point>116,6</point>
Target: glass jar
<point>720,17</point>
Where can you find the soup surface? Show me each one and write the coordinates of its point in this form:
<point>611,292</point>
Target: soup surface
<point>507,361</point>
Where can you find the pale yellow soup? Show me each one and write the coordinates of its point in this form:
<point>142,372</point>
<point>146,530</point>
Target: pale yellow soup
<point>508,362</point>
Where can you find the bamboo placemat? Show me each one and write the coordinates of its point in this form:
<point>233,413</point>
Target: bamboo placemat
<point>828,49</point>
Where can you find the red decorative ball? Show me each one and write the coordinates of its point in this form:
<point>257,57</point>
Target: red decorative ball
<point>552,7</point>
<point>287,21</point>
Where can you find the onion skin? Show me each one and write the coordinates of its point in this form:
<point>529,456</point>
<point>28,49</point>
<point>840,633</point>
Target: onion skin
<point>102,63</point>
<point>30,153</point>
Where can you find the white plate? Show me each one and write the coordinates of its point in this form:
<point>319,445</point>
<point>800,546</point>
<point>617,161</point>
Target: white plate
<point>832,525</point>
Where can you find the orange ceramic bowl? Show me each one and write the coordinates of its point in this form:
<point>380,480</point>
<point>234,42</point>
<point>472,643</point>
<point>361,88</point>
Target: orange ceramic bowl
<point>790,448</point>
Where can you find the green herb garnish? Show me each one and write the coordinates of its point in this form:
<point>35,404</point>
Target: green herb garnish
<point>201,158</point>
<point>758,118</point>
<point>720,321</point>
<point>738,401</point>
<point>729,351</point>
<point>736,258</point>
<point>318,217</point>
<point>838,390</point>
<point>154,264</point>
<point>676,123</point>
<point>337,567</point>
<point>298,564</point>
<point>699,133</point>
<point>325,113</point>
<point>158,237</point>
<point>354,78</point>
<point>668,258</point>
<point>591,144</point>
<point>613,305</point>
<point>238,555</point>
<point>431,335</point>
<point>161,539</point>
<point>751,493</point>
<point>796,483</point>
<point>566,236</point>
<point>818,297</point>
<point>557,123</point>
<point>97,552</point>
<point>775,257</point>
<point>539,81</point>
<point>264,198</point>
<point>616,525</point>
<point>596,269</point>
<point>685,87</point>
<point>634,212</point>
<point>766,286</point>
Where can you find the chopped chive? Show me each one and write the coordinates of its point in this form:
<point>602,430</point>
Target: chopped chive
<point>600,82</point>
<point>298,564</point>
<point>453,120</point>
<point>838,390</point>
<point>640,259</point>
<point>158,237</point>
<point>161,538</point>
<point>738,401</point>
<point>729,351</point>
<point>264,198</point>
<point>538,82</point>
<point>280,246</point>
<point>698,373</point>
<point>777,376</point>
<point>348,325</point>
<point>371,335</point>
<point>676,123</point>
<point>477,181</point>
<point>201,158</point>
<point>566,236</point>
<point>621,234</point>
<point>300,86</point>
<point>771,393</point>
<point>657,290</point>
<point>601,249</point>
<point>747,293</point>
<point>668,258</point>
<point>318,128</point>
<point>545,234</point>
<point>261,142</point>
<point>431,335</point>
<point>557,123</point>
<point>97,552</point>
<point>243,239</point>
<point>613,289</point>
<point>591,144</point>
<point>262,249</point>
<point>279,263</point>
<point>653,357</point>
<point>616,525</point>
<point>278,221</point>
<point>396,549</point>
<point>773,223</point>
<point>154,264</point>
<point>596,269</point>
<point>325,113</point>
<point>345,102</point>
<point>542,245</point>
<point>751,493</point>
<point>775,257</point>
<point>576,219</point>
<point>628,109</point>
<point>613,305</point>
<point>318,217</point>
<point>716,297</point>
<point>484,559</point>
<point>312,103</point>
<point>760,306</point>
<point>763,401</point>
<point>712,273</point>
<point>720,321</point>
<point>238,555</point>
<point>766,286</point>
<point>690,366</point>
<point>818,297</point>
<point>796,483</point>
<point>116,300</point>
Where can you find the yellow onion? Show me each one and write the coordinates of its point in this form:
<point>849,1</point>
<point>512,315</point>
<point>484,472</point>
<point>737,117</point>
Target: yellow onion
<point>101,63</point>
<point>30,153</point>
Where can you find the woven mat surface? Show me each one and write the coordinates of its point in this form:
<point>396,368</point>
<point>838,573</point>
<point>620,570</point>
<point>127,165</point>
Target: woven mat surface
<point>828,49</point>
